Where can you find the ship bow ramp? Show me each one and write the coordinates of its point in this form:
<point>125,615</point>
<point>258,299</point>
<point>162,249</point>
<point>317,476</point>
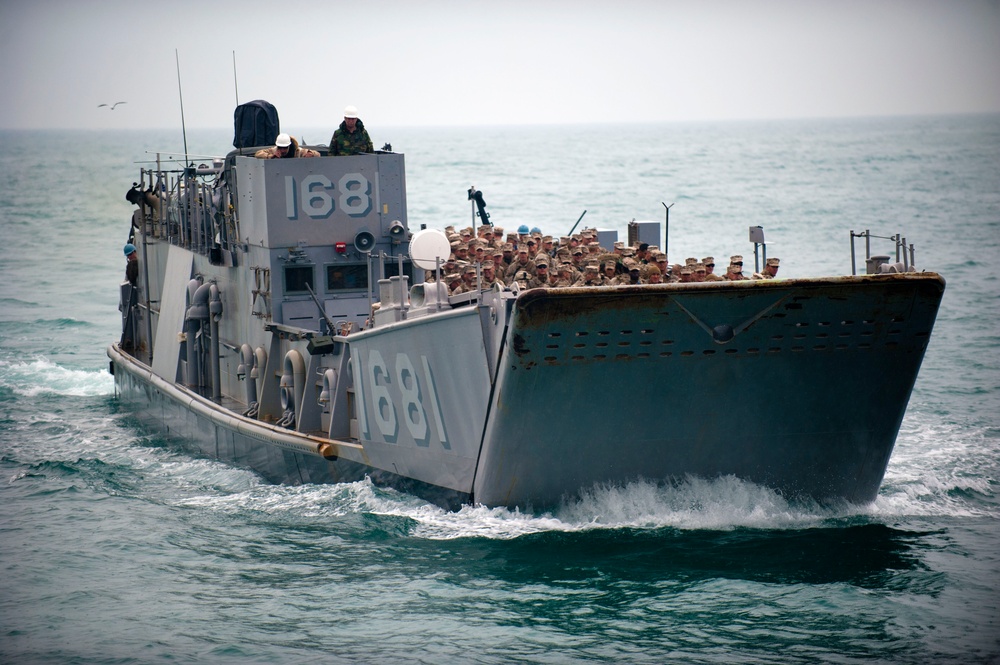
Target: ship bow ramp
<point>799,385</point>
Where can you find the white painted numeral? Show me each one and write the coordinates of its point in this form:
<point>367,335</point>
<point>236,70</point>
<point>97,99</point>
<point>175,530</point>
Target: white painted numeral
<point>315,196</point>
<point>413,410</point>
<point>385,411</point>
<point>411,395</point>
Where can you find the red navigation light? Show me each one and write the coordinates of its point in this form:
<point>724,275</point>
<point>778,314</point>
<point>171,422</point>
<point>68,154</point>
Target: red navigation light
<point>340,247</point>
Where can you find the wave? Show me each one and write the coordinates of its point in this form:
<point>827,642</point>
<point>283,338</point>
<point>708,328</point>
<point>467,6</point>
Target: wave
<point>942,468</point>
<point>41,376</point>
<point>688,505</point>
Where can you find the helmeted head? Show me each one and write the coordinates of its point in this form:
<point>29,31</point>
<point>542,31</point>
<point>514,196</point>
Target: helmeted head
<point>350,112</point>
<point>283,141</point>
<point>129,249</point>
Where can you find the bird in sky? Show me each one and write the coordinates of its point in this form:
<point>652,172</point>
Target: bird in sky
<point>111,106</point>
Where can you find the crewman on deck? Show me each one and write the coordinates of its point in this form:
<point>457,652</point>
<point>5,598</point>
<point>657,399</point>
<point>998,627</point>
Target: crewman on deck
<point>710,275</point>
<point>735,273</point>
<point>541,276</point>
<point>564,275</point>
<point>770,269</point>
<point>132,264</point>
<point>454,282</point>
<point>285,147</point>
<point>490,276</point>
<point>521,262</point>
<point>351,138</point>
<point>634,275</point>
<point>611,272</point>
<point>591,276</point>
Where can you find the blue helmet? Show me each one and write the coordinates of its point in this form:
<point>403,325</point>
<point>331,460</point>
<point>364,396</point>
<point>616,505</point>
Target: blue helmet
<point>535,229</point>
<point>523,229</point>
<point>129,248</point>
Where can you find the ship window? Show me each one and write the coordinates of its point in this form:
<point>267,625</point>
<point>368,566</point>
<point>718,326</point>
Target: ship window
<point>347,277</point>
<point>297,277</point>
<point>392,269</point>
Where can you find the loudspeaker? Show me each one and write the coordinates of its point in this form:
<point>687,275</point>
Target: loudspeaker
<point>364,241</point>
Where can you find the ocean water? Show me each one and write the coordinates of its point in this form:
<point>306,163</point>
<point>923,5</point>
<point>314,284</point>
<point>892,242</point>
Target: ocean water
<point>117,548</point>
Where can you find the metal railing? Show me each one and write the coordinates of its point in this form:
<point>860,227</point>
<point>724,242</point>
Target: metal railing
<point>905,253</point>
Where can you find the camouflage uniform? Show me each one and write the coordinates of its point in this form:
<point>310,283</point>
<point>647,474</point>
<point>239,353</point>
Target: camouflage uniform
<point>357,142</point>
<point>591,276</point>
<point>516,266</point>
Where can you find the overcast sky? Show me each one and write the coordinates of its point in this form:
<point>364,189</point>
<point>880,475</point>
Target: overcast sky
<point>420,62</point>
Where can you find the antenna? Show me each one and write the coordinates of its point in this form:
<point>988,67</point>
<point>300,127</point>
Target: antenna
<point>181,95</point>
<point>235,84</point>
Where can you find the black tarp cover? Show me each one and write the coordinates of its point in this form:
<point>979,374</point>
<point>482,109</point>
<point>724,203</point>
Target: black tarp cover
<point>256,124</point>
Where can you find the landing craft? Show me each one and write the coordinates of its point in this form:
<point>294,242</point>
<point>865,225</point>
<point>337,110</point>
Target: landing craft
<point>283,320</point>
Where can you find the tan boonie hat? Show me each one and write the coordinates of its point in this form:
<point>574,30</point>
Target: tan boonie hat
<point>773,262</point>
<point>690,261</point>
<point>708,260</point>
<point>736,258</point>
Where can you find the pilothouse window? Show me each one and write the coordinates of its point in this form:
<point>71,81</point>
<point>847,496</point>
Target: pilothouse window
<point>354,277</point>
<point>296,278</point>
<point>346,277</point>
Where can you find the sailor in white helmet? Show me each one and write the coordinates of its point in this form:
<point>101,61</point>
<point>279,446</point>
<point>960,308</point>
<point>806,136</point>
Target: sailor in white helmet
<point>351,138</point>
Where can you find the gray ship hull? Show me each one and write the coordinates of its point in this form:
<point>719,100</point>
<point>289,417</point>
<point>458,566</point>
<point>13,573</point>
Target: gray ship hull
<point>203,427</point>
<point>799,385</point>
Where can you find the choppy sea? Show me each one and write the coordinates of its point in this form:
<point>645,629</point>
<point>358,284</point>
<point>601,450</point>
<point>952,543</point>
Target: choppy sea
<point>117,548</point>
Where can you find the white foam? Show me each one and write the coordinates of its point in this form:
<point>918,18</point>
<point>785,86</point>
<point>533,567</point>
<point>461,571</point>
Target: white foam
<point>41,376</point>
<point>693,503</point>
<point>940,468</point>
<point>929,475</point>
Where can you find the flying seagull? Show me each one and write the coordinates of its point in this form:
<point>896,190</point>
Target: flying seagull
<point>112,106</point>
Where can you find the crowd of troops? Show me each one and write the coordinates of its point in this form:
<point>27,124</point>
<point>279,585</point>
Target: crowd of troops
<point>530,259</point>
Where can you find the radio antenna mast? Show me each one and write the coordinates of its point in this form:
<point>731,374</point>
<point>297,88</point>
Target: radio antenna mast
<point>235,84</point>
<point>181,95</point>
